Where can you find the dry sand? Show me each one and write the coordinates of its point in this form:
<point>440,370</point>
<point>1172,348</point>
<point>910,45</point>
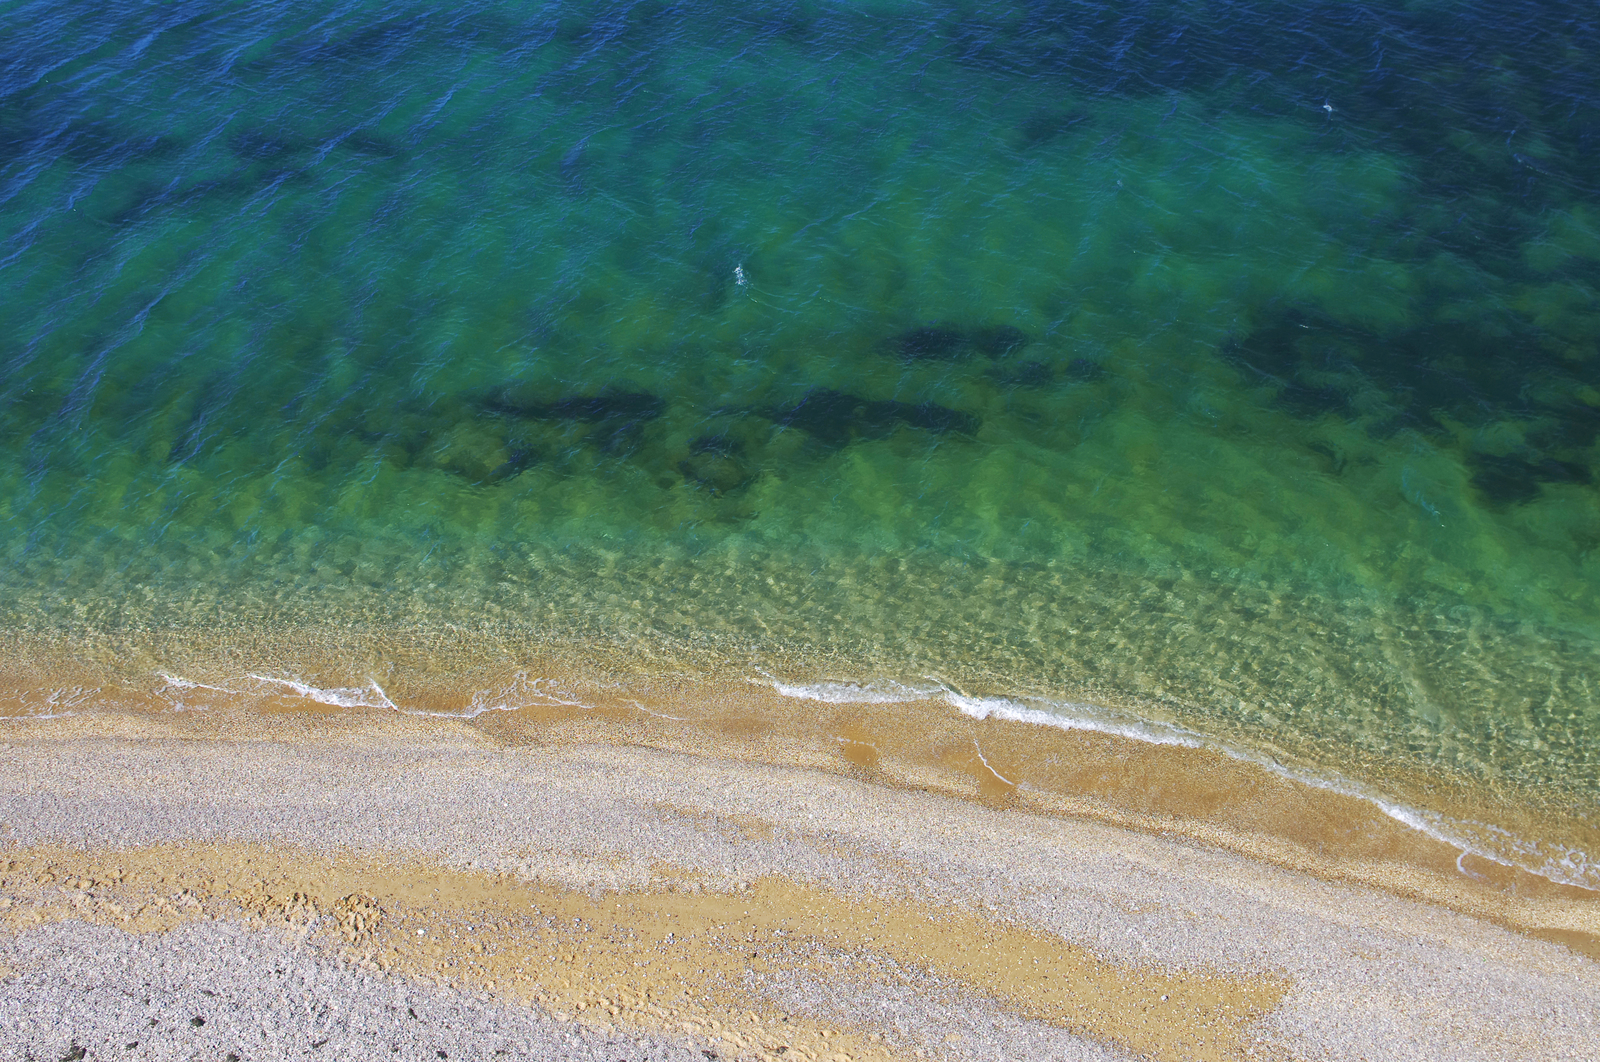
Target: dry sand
<point>591,886</point>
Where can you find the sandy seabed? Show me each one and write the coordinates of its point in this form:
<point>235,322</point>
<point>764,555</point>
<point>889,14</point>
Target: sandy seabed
<point>752,879</point>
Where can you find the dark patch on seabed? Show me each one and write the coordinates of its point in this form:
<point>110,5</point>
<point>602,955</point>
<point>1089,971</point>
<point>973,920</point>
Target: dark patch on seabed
<point>492,438</point>
<point>1511,478</point>
<point>628,408</point>
<point>1432,378</point>
<point>718,463</point>
<point>836,418</point>
<point>951,342</point>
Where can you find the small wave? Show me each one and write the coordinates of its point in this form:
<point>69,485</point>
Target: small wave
<point>858,692</point>
<point>1560,864</point>
<point>338,696</point>
<point>62,703</point>
<point>989,766</point>
<point>521,692</point>
<point>175,686</point>
<point>1066,715</point>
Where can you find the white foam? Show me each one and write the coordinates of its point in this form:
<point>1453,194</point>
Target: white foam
<point>857,692</point>
<point>989,766</point>
<point>1064,715</point>
<point>1566,866</point>
<point>58,703</point>
<point>1067,715</point>
<point>664,715</point>
<point>338,696</point>
<point>522,692</point>
<point>175,685</point>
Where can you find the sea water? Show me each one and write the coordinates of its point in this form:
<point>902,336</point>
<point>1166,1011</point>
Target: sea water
<point>1226,372</point>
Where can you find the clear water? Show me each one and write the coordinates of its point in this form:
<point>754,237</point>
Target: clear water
<point>1234,365</point>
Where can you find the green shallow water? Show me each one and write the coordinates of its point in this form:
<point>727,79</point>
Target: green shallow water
<point>1176,358</point>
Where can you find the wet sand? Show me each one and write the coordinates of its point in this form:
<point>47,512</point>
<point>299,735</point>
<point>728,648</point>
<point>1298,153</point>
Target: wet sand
<point>774,879</point>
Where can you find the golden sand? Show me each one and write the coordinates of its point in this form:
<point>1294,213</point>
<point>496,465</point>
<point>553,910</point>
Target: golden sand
<point>669,958</point>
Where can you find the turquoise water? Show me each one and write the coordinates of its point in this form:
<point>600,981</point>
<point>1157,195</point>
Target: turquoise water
<point>1232,364</point>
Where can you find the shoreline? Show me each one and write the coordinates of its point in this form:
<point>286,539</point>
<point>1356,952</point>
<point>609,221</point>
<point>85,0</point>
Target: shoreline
<point>850,887</point>
<point>966,750</point>
<point>1139,771</point>
<point>1073,716</point>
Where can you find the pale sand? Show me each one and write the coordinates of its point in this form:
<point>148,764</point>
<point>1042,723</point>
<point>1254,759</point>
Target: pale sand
<point>578,899</point>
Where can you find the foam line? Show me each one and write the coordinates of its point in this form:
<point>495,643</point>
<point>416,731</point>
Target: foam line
<point>1072,717</point>
<point>520,694</point>
<point>857,693</point>
<point>1569,867</point>
<point>663,715</point>
<point>339,697</point>
<point>989,766</point>
<point>68,700</point>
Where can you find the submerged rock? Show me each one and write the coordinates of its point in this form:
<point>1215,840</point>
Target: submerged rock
<point>838,418</point>
<point>940,342</point>
<point>1085,369</point>
<point>1517,478</point>
<point>997,341</point>
<point>1027,374</point>
<point>607,405</point>
<point>717,463</point>
<point>949,342</point>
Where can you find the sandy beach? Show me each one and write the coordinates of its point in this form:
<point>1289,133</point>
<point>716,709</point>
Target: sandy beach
<point>362,884</point>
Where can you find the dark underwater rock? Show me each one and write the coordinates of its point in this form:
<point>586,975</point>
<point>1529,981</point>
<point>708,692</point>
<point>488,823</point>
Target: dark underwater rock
<point>717,462</point>
<point>520,461</point>
<point>997,341</point>
<point>941,342</point>
<point>103,144</point>
<point>616,419</point>
<point>716,444</point>
<point>154,198</point>
<point>1516,478</point>
<point>838,418</point>
<point>1434,377</point>
<point>1027,374</point>
<point>1468,372</point>
<point>607,406</point>
<point>719,473</point>
<point>949,342</point>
